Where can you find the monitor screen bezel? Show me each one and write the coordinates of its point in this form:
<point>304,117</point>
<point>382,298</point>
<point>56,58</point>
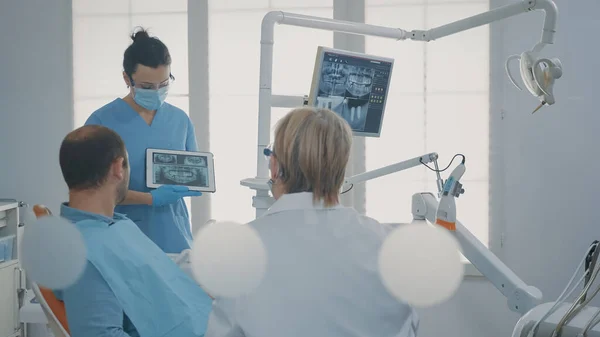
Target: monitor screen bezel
<point>314,88</point>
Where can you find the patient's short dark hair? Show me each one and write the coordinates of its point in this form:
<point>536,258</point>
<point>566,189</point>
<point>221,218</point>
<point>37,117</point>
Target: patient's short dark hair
<point>86,155</point>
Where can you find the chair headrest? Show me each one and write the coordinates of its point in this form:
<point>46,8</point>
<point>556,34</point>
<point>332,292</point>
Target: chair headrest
<point>41,210</point>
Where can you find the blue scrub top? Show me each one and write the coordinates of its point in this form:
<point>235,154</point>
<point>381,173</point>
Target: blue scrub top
<point>168,226</point>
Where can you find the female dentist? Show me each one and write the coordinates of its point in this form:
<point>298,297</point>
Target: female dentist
<point>321,277</point>
<point>144,120</point>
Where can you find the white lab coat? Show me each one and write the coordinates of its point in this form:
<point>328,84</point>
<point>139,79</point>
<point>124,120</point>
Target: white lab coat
<point>321,280</point>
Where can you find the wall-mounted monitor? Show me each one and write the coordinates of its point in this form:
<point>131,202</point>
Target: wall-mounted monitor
<point>353,85</point>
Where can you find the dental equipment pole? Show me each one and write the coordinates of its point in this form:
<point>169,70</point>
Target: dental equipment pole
<point>404,165</point>
<point>521,297</point>
<point>266,100</point>
<point>493,15</point>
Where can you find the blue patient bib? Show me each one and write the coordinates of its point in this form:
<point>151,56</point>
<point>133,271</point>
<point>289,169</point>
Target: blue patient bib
<point>156,295</point>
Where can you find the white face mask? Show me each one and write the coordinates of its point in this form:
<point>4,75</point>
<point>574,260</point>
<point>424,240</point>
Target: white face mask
<point>151,99</point>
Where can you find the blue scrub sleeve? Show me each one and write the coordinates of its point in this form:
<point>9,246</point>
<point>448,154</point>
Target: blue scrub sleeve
<point>93,120</point>
<point>92,308</point>
<point>190,142</point>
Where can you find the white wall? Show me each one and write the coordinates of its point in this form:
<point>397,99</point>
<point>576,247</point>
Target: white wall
<point>36,98</point>
<point>552,157</point>
<point>548,171</point>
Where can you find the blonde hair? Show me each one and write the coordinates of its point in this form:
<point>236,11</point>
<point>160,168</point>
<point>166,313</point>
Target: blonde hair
<point>312,147</point>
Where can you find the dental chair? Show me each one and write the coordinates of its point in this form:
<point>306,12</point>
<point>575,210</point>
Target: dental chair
<point>53,308</point>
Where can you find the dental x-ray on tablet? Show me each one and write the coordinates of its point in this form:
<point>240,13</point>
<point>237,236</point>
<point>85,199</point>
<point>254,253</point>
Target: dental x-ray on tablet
<point>192,169</point>
<point>353,85</point>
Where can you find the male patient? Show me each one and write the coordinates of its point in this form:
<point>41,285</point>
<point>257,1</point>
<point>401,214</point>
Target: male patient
<point>129,287</point>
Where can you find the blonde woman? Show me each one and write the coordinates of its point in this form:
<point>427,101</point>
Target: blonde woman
<point>321,278</point>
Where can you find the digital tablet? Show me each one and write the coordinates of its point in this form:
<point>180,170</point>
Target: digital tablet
<point>194,170</point>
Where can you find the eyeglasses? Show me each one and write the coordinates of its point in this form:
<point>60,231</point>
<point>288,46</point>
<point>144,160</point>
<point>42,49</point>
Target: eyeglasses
<point>153,86</point>
<point>268,151</point>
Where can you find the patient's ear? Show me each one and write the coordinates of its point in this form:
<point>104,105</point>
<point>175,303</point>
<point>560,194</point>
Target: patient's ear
<point>117,169</point>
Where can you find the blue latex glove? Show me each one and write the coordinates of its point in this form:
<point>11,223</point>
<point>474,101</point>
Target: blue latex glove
<point>169,194</point>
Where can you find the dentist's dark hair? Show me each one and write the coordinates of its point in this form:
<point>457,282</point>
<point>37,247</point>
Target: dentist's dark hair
<point>146,50</point>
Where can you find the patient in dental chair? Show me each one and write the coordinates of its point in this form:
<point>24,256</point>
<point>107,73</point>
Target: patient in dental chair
<point>129,287</point>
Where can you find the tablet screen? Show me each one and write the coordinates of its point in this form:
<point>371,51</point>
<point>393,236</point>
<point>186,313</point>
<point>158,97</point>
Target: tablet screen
<point>179,169</point>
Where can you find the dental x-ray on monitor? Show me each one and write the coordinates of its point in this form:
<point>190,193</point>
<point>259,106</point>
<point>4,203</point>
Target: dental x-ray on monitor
<point>353,85</point>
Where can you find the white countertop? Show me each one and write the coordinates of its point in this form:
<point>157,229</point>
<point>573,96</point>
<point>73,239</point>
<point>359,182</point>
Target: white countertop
<point>8,204</point>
